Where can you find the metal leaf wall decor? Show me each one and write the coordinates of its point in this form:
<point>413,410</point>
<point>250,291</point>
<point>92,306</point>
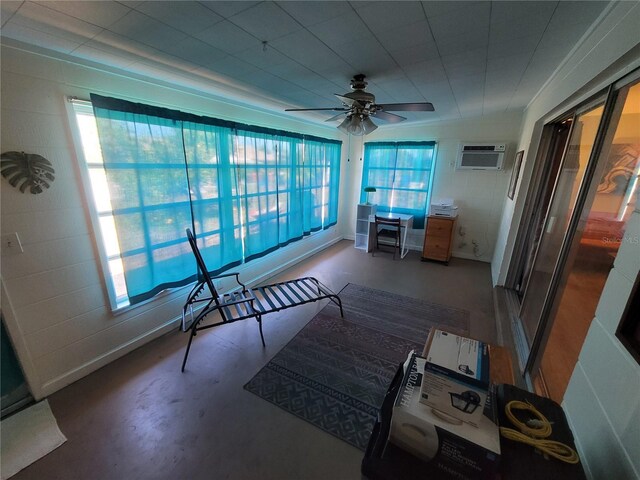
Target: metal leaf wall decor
<point>27,170</point>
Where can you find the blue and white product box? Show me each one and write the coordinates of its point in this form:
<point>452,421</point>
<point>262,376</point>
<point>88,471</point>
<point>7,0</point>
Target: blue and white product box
<point>457,449</point>
<point>456,376</point>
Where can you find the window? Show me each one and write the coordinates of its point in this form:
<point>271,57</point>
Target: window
<point>245,191</point>
<point>320,180</point>
<point>401,174</point>
<point>99,191</point>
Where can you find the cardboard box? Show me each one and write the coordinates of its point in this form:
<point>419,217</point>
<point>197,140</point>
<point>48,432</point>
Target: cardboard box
<point>456,376</point>
<point>459,449</point>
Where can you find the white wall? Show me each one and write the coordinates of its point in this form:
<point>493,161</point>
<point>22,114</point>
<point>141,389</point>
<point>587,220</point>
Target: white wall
<point>54,297</point>
<point>602,402</point>
<point>480,195</point>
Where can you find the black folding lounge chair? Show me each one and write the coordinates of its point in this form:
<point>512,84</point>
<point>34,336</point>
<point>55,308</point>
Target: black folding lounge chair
<point>243,302</point>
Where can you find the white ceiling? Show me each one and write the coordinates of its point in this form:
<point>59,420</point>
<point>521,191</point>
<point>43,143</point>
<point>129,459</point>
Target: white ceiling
<point>468,58</point>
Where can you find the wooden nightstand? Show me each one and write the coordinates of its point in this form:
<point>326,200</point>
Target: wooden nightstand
<point>438,238</point>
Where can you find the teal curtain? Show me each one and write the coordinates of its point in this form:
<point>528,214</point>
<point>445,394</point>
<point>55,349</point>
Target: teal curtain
<point>286,189</point>
<point>401,174</point>
<point>144,164</point>
<point>245,191</point>
<point>290,195</point>
<point>321,177</point>
<point>332,167</point>
<point>313,186</point>
<point>257,165</point>
<point>215,195</point>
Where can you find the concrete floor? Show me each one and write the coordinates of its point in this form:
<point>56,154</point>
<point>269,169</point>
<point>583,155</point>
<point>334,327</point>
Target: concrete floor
<point>140,418</point>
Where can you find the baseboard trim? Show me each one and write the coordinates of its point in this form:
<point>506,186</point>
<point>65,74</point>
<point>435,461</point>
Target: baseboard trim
<point>91,366</point>
<point>469,256</point>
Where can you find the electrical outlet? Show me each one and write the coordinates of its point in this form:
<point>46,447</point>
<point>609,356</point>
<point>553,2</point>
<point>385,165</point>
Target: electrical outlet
<point>11,244</point>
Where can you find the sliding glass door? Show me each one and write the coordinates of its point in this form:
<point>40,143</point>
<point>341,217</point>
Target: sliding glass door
<point>560,210</point>
<point>584,187</point>
<point>603,222</point>
<point>558,134</point>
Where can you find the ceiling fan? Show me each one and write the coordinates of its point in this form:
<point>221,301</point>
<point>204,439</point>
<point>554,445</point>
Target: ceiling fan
<point>359,106</point>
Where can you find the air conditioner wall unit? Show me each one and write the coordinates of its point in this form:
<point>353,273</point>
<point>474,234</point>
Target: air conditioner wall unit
<point>480,156</point>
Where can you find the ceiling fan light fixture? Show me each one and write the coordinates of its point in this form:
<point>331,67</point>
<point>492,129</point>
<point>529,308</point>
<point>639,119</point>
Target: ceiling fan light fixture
<point>353,125</point>
<point>368,126</point>
<point>359,104</point>
<point>343,126</point>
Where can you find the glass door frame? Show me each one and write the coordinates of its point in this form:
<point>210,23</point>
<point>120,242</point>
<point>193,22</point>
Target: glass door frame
<point>526,353</point>
<point>526,227</point>
<point>534,191</point>
<point>544,176</point>
<point>559,274</point>
<point>533,198</point>
<point>530,356</point>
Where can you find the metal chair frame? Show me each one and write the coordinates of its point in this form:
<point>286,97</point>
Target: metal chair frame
<point>243,302</point>
<point>394,228</point>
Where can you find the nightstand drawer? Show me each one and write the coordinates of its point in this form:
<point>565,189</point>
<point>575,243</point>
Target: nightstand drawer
<point>439,227</point>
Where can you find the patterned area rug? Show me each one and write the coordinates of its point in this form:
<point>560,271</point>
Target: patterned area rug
<point>335,371</point>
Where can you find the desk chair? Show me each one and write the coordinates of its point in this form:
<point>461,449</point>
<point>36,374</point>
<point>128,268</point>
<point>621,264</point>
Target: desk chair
<point>387,228</point>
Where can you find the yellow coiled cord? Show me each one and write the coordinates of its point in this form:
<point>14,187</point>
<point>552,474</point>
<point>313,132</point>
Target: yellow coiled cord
<point>536,435</point>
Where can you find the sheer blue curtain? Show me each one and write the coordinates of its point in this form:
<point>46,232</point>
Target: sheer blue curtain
<point>288,188</point>
<point>321,184</point>
<point>379,172</point>
<point>290,195</point>
<point>144,164</point>
<point>313,186</point>
<point>401,173</point>
<point>215,196</point>
<point>244,190</point>
<point>332,182</point>
<point>257,167</point>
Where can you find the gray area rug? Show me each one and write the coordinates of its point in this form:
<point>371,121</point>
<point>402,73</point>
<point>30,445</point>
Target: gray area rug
<point>335,372</point>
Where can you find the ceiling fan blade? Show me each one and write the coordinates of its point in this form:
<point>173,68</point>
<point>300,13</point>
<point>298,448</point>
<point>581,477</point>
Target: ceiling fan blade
<point>389,117</point>
<point>333,109</point>
<point>407,107</point>
<point>348,101</point>
<point>336,117</point>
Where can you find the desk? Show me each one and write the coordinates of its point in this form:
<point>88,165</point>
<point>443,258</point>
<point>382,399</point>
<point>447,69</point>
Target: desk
<point>406,222</point>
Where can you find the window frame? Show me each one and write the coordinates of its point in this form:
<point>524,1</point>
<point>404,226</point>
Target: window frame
<point>120,304</point>
<point>73,105</point>
<point>429,188</point>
